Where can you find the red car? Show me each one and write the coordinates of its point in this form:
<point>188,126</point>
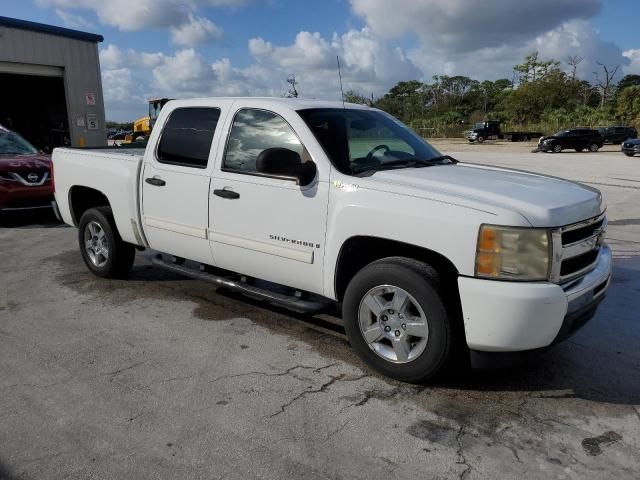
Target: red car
<point>25,174</point>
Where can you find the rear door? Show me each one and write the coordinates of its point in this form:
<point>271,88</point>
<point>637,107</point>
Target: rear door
<point>176,178</point>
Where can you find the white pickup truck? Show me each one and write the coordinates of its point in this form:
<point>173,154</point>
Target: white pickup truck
<point>309,203</point>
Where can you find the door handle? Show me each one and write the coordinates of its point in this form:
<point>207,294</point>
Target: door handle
<point>225,193</point>
<point>155,181</point>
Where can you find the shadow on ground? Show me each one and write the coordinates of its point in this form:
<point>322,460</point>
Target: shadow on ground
<point>29,219</point>
<point>600,364</point>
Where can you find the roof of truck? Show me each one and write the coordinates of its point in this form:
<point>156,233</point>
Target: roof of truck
<point>292,103</point>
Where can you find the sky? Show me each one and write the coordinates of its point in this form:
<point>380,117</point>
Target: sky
<point>189,48</point>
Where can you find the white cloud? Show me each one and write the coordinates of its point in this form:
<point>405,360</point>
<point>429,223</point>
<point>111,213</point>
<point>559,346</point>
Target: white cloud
<point>132,15</point>
<point>575,37</point>
<point>72,20</point>
<point>110,57</point>
<point>633,55</point>
<point>196,31</point>
<point>461,26</point>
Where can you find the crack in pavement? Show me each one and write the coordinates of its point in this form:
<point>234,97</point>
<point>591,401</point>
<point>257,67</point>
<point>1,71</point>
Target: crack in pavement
<point>337,430</point>
<point>274,374</point>
<point>304,393</point>
<point>124,369</point>
<point>461,459</point>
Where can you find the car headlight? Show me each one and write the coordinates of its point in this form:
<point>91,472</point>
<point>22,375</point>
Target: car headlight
<point>512,253</point>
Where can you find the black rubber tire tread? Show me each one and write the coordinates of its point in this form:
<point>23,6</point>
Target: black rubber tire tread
<point>423,283</point>
<point>121,254</point>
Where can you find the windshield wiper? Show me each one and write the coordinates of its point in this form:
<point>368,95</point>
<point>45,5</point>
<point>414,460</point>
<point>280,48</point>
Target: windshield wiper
<point>406,163</point>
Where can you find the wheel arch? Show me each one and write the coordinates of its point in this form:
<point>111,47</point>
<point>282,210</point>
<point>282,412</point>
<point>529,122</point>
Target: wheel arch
<point>83,198</point>
<point>358,251</point>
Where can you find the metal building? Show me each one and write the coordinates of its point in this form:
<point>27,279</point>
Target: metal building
<point>50,84</point>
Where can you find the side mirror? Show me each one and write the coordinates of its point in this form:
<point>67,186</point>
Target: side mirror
<point>287,164</point>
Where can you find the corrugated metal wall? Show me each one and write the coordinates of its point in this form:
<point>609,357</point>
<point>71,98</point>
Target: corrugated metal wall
<point>81,65</point>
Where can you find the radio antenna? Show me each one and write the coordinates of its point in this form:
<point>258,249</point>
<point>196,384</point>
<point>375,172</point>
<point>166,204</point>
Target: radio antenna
<point>340,77</point>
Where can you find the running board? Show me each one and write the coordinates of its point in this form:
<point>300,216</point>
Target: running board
<point>290,301</point>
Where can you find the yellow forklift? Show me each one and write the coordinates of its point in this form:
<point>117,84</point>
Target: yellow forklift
<point>142,126</point>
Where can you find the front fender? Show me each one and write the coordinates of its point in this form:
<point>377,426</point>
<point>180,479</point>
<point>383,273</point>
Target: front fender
<point>448,229</point>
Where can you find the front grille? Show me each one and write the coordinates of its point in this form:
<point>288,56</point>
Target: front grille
<point>576,248</point>
<point>579,234</point>
<point>30,178</point>
<point>578,263</point>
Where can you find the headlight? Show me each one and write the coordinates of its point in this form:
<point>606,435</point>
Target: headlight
<point>511,253</point>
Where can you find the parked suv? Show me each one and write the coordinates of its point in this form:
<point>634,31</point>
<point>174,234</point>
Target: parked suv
<point>617,134</point>
<point>630,147</point>
<point>578,139</point>
<point>25,174</point>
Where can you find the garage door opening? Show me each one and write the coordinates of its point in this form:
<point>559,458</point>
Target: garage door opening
<point>36,108</point>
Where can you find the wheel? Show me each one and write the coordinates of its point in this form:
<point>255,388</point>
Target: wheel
<point>480,139</point>
<point>525,138</point>
<point>629,154</point>
<point>579,150</point>
<point>396,320</point>
<point>557,148</point>
<point>594,147</point>
<point>103,251</point>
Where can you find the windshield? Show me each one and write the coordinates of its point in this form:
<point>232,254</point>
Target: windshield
<point>368,140</point>
<point>13,144</point>
<point>563,133</point>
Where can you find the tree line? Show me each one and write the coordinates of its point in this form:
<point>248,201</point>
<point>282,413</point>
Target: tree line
<point>541,95</point>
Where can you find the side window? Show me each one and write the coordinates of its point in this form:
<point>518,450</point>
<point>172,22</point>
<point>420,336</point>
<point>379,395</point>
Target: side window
<point>187,136</point>
<point>254,131</point>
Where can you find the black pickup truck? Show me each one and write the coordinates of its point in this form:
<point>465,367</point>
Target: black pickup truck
<point>490,130</point>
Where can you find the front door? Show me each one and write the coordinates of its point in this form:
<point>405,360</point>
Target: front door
<point>175,183</point>
<point>264,226</point>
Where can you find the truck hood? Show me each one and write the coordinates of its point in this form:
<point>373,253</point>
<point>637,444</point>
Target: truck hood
<point>544,201</point>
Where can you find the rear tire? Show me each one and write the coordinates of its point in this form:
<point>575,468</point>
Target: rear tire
<point>103,250</point>
<point>557,148</point>
<point>594,147</point>
<point>396,320</point>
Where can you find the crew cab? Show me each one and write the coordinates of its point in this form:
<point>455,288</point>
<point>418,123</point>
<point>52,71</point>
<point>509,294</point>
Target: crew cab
<point>578,139</point>
<point>25,175</point>
<point>312,204</point>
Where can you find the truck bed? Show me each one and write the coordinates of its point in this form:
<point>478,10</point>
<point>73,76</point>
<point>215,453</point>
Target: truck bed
<point>113,172</point>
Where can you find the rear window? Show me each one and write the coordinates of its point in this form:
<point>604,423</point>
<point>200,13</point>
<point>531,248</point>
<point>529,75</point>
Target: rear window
<point>187,136</point>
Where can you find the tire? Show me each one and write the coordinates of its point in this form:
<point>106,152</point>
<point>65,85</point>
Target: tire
<point>103,250</point>
<point>480,139</point>
<point>380,284</point>
<point>628,154</point>
<point>557,148</point>
<point>594,147</point>
<point>525,138</point>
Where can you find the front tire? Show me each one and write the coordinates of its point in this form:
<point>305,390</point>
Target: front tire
<point>396,320</point>
<point>480,139</point>
<point>103,250</point>
<point>629,154</point>
<point>557,148</point>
